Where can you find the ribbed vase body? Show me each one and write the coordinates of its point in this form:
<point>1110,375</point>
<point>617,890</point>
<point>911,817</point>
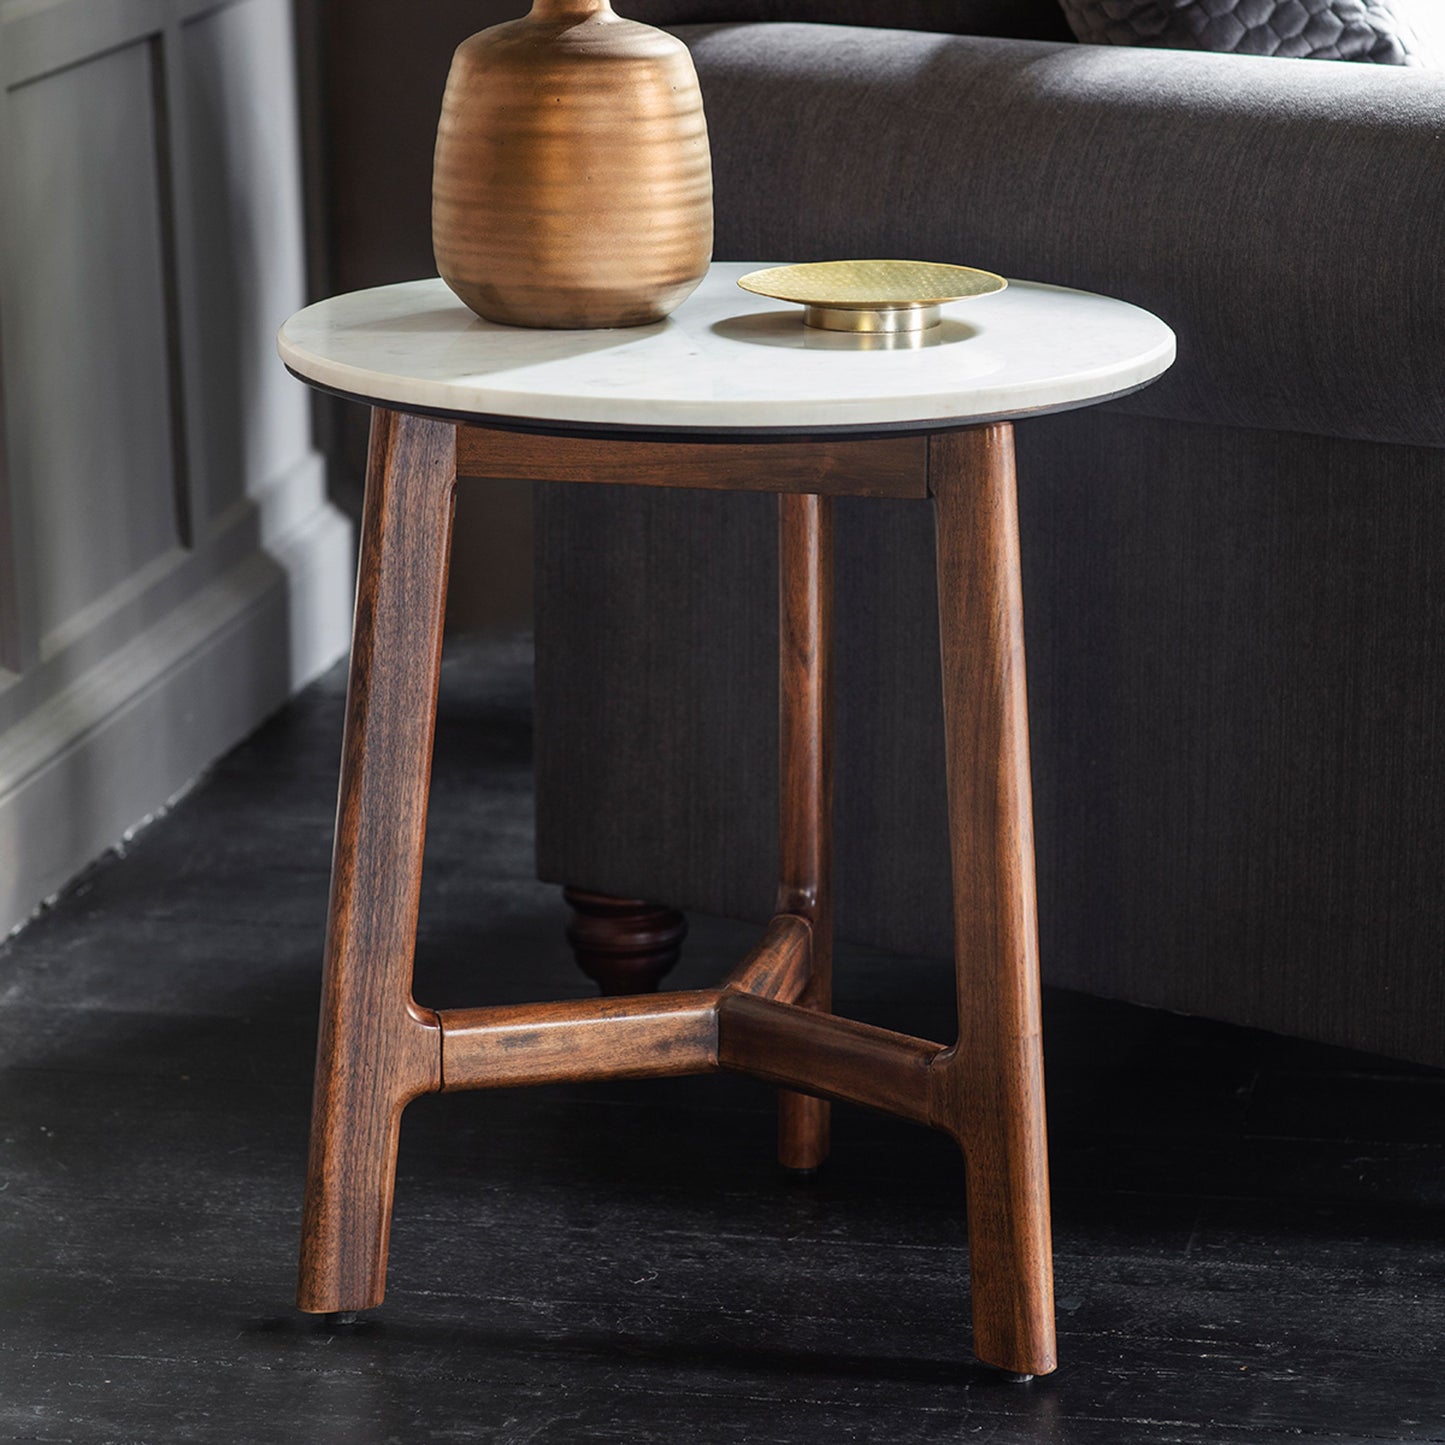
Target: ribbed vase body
<point>573,183</point>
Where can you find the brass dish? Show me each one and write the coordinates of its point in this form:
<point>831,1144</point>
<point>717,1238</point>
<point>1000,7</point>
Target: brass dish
<point>887,296</point>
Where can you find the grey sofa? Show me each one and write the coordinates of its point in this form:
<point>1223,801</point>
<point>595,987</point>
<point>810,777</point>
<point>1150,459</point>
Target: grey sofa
<point>1234,581</point>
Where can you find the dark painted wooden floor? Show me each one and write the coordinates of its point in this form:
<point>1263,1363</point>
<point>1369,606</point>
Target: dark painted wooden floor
<point>1249,1230</point>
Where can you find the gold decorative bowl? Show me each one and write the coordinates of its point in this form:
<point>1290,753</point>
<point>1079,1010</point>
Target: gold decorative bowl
<point>887,296</point>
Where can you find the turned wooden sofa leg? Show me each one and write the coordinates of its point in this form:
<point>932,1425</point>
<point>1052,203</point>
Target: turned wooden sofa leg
<point>992,1096</point>
<point>624,945</point>
<point>377,1048</point>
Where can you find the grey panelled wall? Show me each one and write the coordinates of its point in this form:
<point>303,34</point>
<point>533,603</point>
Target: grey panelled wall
<point>169,566</point>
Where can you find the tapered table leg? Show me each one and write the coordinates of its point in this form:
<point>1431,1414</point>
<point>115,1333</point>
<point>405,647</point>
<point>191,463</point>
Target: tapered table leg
<point>377,1049</point>
<point>805,778</point>
<point>994,1079</point>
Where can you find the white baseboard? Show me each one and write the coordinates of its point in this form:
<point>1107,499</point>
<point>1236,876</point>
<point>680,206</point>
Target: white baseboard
<point>125,737</point>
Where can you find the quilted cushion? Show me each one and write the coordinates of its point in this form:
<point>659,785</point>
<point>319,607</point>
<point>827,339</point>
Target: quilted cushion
<point>1318,29</point>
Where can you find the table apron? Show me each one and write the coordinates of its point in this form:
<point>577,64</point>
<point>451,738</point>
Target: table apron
<point>830,466</point>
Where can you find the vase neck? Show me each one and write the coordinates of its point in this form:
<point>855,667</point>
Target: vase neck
<point>568,9</point>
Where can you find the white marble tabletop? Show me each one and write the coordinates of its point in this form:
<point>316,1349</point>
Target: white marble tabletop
<point>729,361</point>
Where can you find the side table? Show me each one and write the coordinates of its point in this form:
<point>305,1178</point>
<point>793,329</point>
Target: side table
<point>731,392</point>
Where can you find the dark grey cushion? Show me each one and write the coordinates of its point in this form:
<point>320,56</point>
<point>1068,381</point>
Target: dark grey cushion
<point>1314,29</point>
<point>1285,219</point>
<point>1022,19</point>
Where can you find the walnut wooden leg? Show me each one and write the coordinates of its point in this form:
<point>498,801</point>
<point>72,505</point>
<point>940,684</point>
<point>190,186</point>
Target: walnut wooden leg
<point>377,1049</point>
<point>993,1100</point>
<point>805,779</point>
<point>625,945</point>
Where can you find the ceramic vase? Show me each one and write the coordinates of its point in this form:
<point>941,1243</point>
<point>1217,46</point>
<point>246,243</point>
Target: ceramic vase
<point>573,184</point>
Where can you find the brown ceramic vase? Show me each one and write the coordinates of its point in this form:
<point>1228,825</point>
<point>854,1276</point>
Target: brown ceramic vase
<point>573,184</point>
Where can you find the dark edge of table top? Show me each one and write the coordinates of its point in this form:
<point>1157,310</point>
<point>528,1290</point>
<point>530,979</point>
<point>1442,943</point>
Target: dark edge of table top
<point>721,435</point>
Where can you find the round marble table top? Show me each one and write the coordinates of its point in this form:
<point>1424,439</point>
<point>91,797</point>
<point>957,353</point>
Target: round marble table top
<point>729,361</point>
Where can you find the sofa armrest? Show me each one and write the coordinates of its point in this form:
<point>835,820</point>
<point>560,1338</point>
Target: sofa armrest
<point>1286,217</point>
